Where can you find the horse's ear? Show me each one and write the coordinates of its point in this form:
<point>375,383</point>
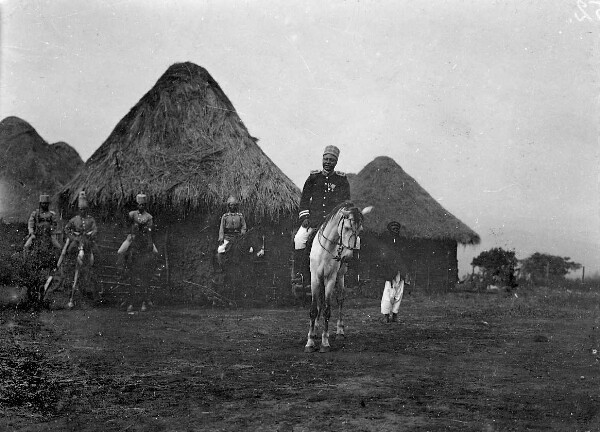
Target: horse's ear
<point>367,210</point>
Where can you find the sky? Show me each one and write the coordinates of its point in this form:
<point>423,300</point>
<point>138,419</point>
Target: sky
<point>491,106</point>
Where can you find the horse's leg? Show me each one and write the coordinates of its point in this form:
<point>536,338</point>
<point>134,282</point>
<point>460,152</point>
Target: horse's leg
<point>316,292</point>
<point>312,334</point>
<point>75,277</point>
<point>340,299</point>
<point>329,288</point>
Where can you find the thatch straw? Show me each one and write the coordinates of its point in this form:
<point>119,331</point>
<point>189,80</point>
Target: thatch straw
<point>184,146</point>
<point>397,197</point>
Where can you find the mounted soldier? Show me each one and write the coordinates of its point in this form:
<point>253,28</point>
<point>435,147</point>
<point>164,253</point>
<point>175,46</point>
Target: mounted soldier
<point>81,230</point>
<point>81,233</point>
<point>136,254</point>
<point>42,226</point>
<point>233,226</point>
<point>322,192</point>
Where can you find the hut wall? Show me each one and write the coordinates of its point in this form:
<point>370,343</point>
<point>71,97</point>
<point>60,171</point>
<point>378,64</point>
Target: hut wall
<point>187,249</point>
<point>247,278</point>
<point>432,264</point>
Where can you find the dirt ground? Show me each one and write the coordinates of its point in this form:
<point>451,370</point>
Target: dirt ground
<point>454,362</point>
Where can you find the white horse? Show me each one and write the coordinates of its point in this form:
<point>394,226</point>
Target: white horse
<point>334,243</point>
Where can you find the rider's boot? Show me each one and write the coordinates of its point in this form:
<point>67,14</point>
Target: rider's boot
<point>394,317</point>
<point>387,318</point>
<point>297,277</point>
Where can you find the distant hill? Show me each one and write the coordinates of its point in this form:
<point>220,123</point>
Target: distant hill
<point>30,166</point>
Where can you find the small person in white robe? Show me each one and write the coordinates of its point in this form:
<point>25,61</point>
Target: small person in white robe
<point>392,296</point>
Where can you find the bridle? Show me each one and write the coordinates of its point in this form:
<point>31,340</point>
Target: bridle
<point>352,240</point>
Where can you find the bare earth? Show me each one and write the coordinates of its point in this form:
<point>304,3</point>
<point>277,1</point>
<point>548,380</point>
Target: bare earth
<point>454,362</point>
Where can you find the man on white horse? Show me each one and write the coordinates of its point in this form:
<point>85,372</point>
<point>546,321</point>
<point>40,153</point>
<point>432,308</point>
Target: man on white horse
<point>322,192</point>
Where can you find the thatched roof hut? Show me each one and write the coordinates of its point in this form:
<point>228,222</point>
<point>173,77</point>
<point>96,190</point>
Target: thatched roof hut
<point>184,145</point>
<point>408,228</point>
<point>30,166</point>
<point>404,206</point>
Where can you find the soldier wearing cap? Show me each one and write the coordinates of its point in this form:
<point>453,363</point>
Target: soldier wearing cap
<point>141,240</point>
<point>233,225</point>
<point>322,192</point>
<point>82,229</point>
<point>142,224</point>
<point>42,224</point>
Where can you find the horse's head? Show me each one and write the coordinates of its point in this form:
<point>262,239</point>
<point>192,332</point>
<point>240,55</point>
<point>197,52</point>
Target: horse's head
<point>352,225</point>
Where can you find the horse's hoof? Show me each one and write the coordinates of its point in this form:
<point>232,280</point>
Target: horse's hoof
<point>310,349</point>
<point>143,308</point>
<point>340,336</point>
<point>324,349</point>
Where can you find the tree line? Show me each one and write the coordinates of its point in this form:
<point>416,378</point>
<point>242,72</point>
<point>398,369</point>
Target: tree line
<point>501,267</point>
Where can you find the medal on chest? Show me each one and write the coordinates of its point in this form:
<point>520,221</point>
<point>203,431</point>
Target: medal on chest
<point>329,187</point>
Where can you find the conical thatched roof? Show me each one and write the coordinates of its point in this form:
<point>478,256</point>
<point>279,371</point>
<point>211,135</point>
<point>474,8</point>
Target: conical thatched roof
<point>399,199</point>
<point>184,146</point>
<point>30,166</point>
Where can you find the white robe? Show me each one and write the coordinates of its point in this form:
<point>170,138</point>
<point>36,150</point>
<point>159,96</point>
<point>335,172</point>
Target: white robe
<point>392,296</point>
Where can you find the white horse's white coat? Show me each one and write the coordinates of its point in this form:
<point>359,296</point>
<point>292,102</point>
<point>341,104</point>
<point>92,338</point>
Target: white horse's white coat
<point>334,243</point>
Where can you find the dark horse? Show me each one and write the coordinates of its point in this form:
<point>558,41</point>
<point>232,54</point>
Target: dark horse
<point>334,243</point>
<point>138,264</point>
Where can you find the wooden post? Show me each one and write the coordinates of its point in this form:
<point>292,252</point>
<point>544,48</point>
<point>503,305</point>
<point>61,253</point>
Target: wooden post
<point>448,270</point>
<point>427,262</point>
<point>582,274</point>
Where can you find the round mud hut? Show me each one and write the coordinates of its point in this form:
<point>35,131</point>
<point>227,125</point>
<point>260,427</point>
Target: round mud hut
<point>184,146</point>
<point>29,166</point>
<point>416,233</point>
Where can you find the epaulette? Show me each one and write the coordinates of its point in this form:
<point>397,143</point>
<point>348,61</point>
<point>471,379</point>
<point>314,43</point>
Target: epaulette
<point>313,172</point>
<point>341,174</point>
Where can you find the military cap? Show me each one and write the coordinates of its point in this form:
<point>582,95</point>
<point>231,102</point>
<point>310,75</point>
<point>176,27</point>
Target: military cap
<point>232,200</point>
<point>44,198</point>
<point>332,150</point>
<point>82,200</point>
<point>141,199</point>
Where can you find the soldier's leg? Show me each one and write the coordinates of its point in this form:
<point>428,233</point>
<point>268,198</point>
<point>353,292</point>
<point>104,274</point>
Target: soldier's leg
<point>300,256</point>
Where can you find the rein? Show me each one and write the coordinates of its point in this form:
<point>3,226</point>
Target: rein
<point>340,244</point>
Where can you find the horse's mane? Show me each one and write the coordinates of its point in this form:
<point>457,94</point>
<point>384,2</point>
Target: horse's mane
<point>346,205</point>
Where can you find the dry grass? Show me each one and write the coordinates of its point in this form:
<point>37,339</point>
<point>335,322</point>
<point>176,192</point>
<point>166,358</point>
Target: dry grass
<point>184,145</point>
<point>398,197</point>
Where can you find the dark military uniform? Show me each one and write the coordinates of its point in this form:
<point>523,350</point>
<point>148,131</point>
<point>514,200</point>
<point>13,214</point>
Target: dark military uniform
<point>78,227</point>
<point>232,225</point>
<point>141,228</point>
<point>320,195</point>
<point>42,224</point>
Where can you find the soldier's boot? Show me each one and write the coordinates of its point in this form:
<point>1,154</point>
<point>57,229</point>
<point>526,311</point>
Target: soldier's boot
<point>387,318</point>
<point>298,278</point>
<point>394,317</point>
